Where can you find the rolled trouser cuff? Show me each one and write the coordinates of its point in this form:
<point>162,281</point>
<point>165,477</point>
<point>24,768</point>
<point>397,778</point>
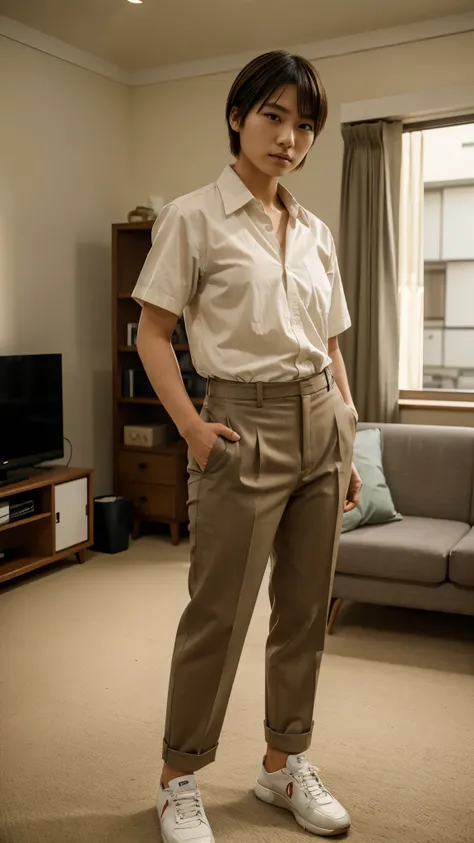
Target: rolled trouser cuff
<point>188,762</point>
<point>293,744</point>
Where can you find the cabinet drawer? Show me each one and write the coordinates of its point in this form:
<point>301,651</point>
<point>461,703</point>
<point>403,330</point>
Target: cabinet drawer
<point>149,468</point>
<point>151,500</point>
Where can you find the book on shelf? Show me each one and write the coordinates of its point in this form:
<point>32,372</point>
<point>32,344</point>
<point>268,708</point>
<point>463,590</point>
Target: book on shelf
<point>132,331</point>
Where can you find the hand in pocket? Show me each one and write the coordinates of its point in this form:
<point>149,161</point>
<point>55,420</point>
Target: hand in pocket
<point>203,437</point>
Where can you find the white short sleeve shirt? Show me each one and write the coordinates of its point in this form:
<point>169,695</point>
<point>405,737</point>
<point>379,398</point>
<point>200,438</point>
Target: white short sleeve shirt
<point>250,314</point>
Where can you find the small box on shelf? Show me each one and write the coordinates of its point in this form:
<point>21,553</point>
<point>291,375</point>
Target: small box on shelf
<point>146,436</point>
<point>19,507</point>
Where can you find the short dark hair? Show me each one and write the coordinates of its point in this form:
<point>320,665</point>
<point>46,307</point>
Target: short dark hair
<point>266,74</point>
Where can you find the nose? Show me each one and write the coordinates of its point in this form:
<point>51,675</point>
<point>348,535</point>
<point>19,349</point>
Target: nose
<point>286,137</point>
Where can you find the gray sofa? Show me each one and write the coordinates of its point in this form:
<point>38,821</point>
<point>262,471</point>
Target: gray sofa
<point>425,561</point>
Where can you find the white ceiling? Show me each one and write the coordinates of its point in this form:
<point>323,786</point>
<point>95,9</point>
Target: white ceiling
<point>155,34</point>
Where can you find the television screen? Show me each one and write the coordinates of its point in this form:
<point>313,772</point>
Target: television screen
<point>31,409</point>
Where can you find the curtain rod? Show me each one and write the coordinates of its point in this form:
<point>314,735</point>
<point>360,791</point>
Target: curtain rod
<point>438,123</point>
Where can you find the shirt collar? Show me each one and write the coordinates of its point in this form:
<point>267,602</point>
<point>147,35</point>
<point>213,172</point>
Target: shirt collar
<point>293,207</point>
<point>233,192</point>
<point>236,195</point>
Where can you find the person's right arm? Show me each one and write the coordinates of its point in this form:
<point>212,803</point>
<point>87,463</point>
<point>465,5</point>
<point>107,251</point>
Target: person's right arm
<point>155,330</point>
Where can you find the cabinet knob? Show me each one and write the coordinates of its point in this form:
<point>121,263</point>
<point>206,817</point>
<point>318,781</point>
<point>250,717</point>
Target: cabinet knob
<point>142,465</point>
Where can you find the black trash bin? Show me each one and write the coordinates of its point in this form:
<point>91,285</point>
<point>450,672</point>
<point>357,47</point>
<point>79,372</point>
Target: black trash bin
<point>112,524</point>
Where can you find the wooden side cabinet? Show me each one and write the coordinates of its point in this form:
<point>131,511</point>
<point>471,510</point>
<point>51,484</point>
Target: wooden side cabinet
<point>156,482</point>
<point>60,526</point>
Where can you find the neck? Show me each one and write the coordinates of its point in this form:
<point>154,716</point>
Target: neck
<point>262,186</point>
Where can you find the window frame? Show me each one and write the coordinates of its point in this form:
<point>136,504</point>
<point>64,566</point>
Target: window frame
<point>447,398</point>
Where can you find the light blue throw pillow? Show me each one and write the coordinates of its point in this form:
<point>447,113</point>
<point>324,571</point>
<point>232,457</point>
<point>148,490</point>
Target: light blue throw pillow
<point>376,504</point>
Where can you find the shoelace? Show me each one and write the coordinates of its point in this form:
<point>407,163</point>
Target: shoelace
<point>188,806</point>
<point>311,783</point>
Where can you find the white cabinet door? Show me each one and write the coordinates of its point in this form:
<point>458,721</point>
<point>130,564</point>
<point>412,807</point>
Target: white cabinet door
<point>71,513</point>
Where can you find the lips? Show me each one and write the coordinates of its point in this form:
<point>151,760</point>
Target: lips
<point>282,157</point>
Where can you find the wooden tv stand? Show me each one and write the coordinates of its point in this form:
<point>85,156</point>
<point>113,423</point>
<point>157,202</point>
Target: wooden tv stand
<point>62,523</point>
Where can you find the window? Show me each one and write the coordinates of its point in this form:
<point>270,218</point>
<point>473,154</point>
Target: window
<point>448,343</point>
<point>447,347</point>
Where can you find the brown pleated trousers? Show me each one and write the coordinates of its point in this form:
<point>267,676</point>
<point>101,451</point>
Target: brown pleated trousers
<point>277,493</point>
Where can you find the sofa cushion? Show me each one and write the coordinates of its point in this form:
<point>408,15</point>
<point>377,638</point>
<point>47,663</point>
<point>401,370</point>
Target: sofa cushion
<point>376,505</point>
<point>461,563</point>
<point>413,550</point>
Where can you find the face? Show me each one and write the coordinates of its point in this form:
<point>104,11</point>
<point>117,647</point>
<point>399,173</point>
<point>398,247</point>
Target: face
<point>274,137</point>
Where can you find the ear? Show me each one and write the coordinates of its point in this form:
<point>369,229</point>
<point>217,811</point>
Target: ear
<point>234,119</point>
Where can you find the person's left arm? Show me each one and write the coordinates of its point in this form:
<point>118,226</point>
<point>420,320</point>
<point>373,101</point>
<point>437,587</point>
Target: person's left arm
<point>338,321</point>
<point>338,369</point>
<point>340,376</point>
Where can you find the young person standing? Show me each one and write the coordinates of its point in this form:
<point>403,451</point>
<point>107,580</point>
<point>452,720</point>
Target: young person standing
<point>270,469</point>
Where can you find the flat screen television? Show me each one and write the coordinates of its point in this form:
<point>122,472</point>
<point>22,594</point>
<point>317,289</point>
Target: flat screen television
<point>31,411</point>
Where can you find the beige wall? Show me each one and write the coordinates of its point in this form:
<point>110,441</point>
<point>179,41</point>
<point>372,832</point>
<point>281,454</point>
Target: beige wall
<point>64,170</point>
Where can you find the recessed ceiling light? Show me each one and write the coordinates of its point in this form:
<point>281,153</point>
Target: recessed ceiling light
<point>135,1</point>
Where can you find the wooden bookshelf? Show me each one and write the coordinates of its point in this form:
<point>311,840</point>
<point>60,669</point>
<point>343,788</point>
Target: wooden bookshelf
<point>155,479</point>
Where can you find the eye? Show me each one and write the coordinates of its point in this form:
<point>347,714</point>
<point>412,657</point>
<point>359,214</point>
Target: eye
<point>308,127</point>
<point>273,117</point>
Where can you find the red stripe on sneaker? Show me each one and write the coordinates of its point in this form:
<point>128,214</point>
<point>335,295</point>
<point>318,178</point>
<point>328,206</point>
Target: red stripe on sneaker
<point>166,805</point>
<point>289,790</point>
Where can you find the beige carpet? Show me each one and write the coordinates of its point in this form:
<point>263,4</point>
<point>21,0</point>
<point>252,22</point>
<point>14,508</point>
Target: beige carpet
<point>84,663</point>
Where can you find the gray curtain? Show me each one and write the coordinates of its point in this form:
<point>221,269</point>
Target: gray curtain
<point>368,255</point>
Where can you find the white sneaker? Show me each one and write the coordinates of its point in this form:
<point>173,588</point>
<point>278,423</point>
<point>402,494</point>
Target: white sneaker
<point>181,813</point>
<point>298,789</point>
